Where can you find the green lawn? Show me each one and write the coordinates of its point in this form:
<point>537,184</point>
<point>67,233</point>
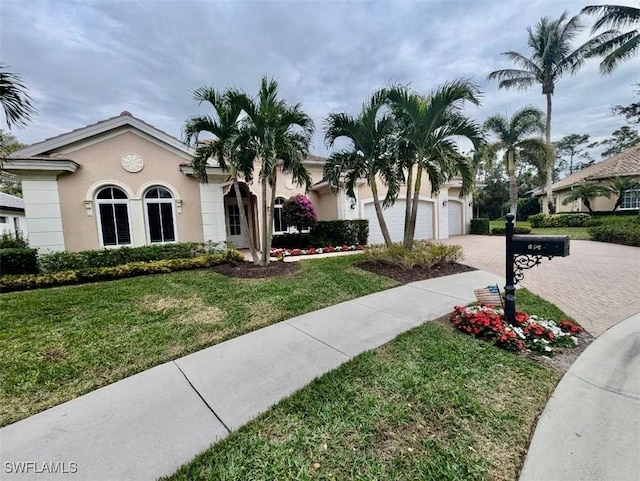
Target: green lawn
<point>56,344</point>
<point>581,233</point>
<point>433,404</point>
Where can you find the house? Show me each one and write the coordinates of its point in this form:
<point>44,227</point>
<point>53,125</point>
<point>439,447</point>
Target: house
<point>12,217</point>
<point>121,181</point>
<point>624,164</point>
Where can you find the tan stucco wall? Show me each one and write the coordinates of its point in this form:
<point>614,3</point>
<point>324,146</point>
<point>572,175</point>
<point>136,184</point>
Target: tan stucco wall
<point>326,205</point>
<point>100,162</point>
<point>364,191</point>
<point>599,204</point>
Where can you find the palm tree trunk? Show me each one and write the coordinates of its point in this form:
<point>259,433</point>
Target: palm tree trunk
<point>407,240</point>
<point>272,184</point>
<point>243,219</point>
<point>264,232</point>
<point>551,160</point>
<point>378,208</point>
<point>414,207</point>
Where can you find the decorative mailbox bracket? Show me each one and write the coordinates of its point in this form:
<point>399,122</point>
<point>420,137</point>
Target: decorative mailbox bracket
<point>525,252</point>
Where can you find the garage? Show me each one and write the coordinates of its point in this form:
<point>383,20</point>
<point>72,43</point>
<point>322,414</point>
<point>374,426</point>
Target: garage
<point>455,217</point>
<point>394,217</point>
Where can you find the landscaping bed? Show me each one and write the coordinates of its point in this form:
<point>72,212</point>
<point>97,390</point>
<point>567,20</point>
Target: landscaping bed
<point>405,275</point>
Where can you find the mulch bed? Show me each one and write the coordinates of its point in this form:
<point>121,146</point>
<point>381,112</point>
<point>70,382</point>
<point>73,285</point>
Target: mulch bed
<point>404,275</point>
<point>248,270</point>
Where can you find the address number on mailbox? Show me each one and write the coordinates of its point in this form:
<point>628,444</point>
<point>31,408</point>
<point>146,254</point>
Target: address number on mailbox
<point>544,245</point>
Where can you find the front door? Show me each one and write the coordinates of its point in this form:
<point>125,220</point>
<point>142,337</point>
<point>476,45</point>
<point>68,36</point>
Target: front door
<point>235,234</point>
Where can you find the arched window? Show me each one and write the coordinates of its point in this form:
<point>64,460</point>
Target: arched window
<point>279,225</point>
<point>113,213</point>
<point>159,209</point>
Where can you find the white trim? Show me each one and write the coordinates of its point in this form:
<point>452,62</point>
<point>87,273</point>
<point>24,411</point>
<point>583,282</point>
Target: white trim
<point>280,207</point>
<point>52,167</point>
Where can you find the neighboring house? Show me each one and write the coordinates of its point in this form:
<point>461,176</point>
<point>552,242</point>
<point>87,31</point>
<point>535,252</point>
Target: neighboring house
<point>12,218</point>
<point>624,164</point>
<point>122,181</point>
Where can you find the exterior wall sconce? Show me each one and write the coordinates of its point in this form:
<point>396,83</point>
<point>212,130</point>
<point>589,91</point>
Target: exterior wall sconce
<point>88,205</point>
<point>444,203</point>
<point>353,206</point>
<point>470,204</point>
<point>179,206</point>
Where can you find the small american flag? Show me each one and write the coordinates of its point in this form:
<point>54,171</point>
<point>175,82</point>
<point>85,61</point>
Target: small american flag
<point>489,295</point>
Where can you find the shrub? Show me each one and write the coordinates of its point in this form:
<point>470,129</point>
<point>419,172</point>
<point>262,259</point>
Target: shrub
<point>8,240</point>
<point>559,220</point>
<point>298,211</point>
<point>516,230</point>
<point>18,260</point>
<point>527,207</point>
<point>59,261</point>
<point>480,226</point>
<point>626,233</point>
<point>339,232</point>
<point>24,282</point>
<point>424,254</point>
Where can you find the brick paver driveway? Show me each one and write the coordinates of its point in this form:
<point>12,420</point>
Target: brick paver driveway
<point>598,284</point>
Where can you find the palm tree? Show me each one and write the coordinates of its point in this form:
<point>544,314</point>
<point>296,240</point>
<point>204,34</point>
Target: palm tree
<point>551,57</point>
<point>586,192</point>
<point>279,135</point>
<point>364,158</point>
<point>14,98</point>
<point>514,139</point>
<point>618,187</point>
<point>226,147</point>
<point>430,125</point>
<point>617,47</point>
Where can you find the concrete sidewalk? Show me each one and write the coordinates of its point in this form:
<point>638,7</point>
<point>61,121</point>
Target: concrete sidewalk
<point>147,425</point>
<point>590,428</point>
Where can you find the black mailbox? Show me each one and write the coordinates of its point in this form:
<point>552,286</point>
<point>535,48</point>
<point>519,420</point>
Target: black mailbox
<point>542,245</point>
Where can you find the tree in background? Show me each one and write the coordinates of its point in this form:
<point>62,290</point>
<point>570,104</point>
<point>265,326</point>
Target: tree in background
<point>619,186</point>
<point>279,136</point>
<point>586,192</point>
<point>9,184</point>
<point>299,211</point>
<point>514,139</point>
<point>494,194</point>
<point>570,149</point>
<point>620,140</point>
<point>552,57</point>
<point>615,47</point>
<point>14,98</point>
<point>632,111</point>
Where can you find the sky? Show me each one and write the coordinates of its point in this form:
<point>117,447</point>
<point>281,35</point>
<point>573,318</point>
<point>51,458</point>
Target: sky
<point>87,61</point>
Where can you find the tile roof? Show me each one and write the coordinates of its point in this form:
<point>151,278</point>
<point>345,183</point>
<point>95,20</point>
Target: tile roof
<point>623,164</point>
<point>11,201</point>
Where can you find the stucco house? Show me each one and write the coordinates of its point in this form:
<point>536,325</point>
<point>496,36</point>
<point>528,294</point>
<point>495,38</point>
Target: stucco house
<point>121,181</point>
<point>12,218</point>
<point>624,164</point>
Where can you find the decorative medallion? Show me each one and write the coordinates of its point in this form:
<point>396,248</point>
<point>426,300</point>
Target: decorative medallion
<point>288,184</point>
<point>132,163</point>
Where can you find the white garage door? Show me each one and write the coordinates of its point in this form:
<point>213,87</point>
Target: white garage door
<point>394,217</point>
<point>455,217</point>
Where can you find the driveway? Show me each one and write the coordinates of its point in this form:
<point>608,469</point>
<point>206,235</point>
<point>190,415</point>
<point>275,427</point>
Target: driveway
<point>598,284</point>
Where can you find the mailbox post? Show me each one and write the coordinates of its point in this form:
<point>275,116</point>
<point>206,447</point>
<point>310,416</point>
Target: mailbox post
<point>524,252</point>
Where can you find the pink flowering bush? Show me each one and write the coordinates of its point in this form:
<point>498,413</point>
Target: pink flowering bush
<point>530,332</point>
<point>299,211</point>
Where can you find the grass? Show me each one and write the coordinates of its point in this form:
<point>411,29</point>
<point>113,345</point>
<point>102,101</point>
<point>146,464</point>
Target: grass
<point>56,344</point>
<point>434,404</point>
<point>578,233</point>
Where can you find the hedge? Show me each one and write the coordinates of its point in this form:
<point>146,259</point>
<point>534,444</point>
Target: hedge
<point>62,261</point>
<point>133,269</point>
<point>516,230</point>
<point>18,260</point>
<point>559,220</point>
<point>480,226</point>
<point>340,232</point>
<point>627,233</point>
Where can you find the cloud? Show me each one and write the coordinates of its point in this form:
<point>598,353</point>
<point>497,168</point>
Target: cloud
<point>84,62</point>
